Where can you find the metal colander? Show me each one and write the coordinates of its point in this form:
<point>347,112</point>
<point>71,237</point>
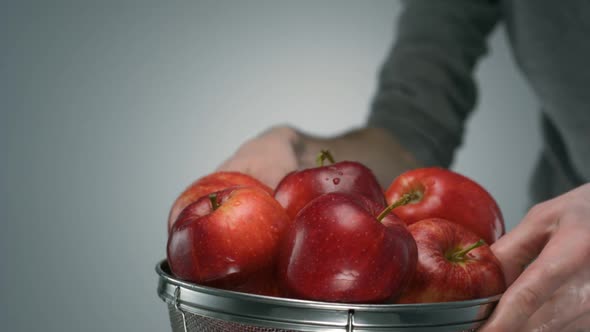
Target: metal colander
<point>194,308</point>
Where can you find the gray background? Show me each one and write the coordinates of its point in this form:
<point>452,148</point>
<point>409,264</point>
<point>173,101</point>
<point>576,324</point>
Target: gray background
<point>109,109</point>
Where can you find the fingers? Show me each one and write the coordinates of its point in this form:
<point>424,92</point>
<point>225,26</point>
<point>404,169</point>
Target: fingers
<point>581,324</point>
<point>561,258</point>
<point>268,176</point>
<point>267,157</point>
<point>568,304</point>
<point>518,248</point>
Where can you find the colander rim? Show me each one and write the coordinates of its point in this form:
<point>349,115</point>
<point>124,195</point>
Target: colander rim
<point>165,276</point>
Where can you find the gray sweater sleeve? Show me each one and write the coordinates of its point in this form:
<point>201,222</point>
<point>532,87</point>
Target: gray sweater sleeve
<point>426,85</point>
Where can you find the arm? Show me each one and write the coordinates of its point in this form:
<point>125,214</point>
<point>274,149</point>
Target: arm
<point>426,91</point>
<point>426,87</point>
<point>427,109</point>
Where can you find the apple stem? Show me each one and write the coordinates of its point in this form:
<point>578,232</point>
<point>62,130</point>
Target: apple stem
<point>460,255</point>
<point>213,199</point>
<point>405,199</point>
<point>322,156</point>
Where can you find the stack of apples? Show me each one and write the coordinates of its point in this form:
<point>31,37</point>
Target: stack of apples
<point>332,233</point>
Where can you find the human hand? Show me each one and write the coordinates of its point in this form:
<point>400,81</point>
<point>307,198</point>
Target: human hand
<point>282,149</point>
<point>553,292</point>
<point>269,156</point>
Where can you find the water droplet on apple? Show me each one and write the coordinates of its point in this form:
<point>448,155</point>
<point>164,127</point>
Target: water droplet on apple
<point>336,180</point>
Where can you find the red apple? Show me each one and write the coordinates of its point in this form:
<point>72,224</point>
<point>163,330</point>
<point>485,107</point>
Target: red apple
<point>205,185</point>
<point>454,264</point>
<point>338,250</point>
<point>298,188</point>
<point>435,192</point>
<point>228,240</point>
<point>261,282</point>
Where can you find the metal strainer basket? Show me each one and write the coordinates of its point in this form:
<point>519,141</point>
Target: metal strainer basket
<point>195,308</point>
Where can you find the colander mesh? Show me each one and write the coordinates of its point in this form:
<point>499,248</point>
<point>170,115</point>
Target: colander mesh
<point>197,323</point>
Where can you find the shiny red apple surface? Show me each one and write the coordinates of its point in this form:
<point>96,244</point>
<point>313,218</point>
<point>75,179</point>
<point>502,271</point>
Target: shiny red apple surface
<point>338,251</point>
<point>229,240</point>
<point>434,192</point>
<point>298,188</point>
<point>454,264</point>
<point>210,183</point>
